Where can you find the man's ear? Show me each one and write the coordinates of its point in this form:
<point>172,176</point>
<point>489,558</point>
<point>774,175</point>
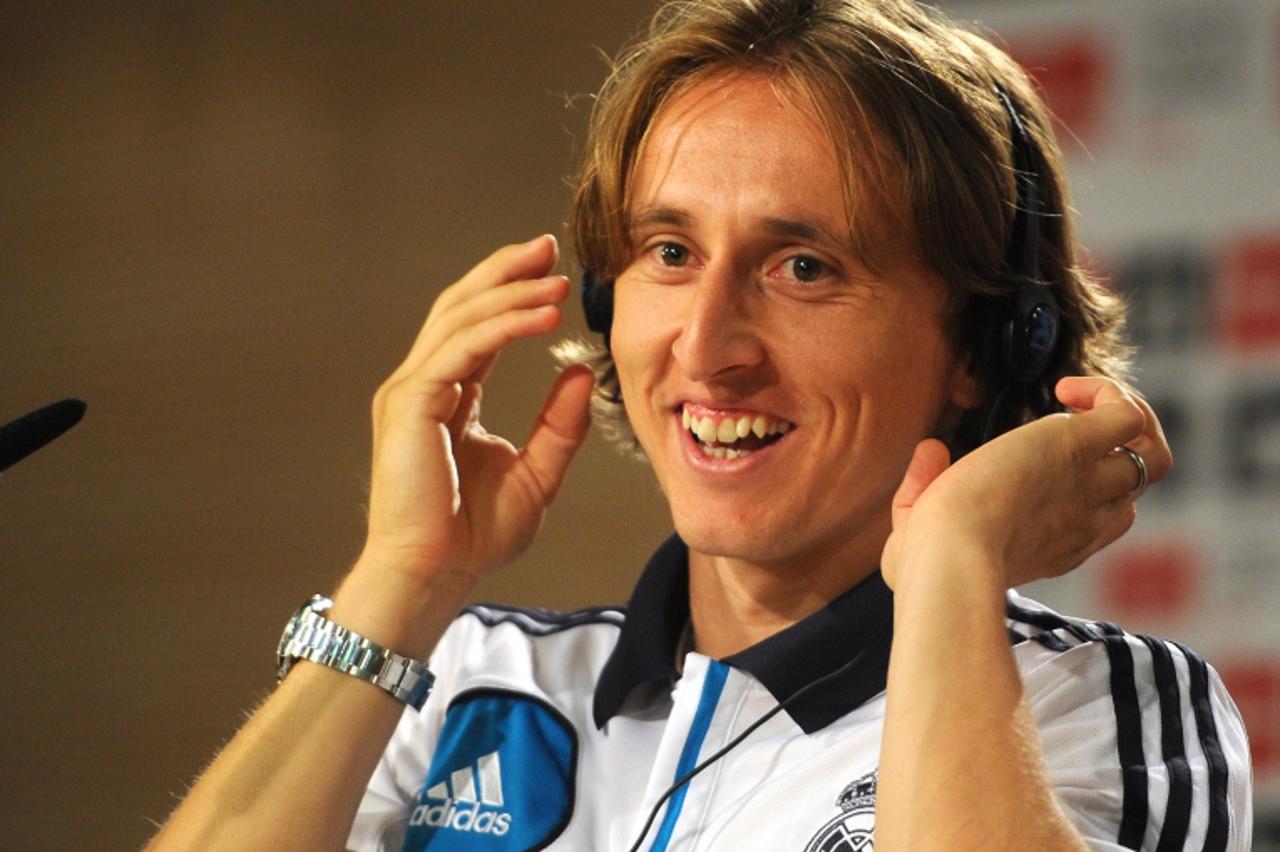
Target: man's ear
<point>965,391</point>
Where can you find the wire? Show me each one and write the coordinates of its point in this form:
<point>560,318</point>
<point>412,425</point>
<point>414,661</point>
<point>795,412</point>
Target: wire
<point>992,429</point>
<point>732,744</point>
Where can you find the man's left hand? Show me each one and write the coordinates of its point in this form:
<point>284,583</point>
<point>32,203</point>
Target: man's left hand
<point>1037,501</point>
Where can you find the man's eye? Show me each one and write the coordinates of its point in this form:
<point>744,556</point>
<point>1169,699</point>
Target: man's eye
<point>805,268</point>
<point>673,254</point>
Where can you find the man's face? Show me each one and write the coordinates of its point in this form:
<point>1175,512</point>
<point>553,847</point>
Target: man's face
<point>776,385</point>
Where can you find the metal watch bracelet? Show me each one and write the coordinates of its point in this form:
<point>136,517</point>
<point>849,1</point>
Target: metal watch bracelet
<point>311,636</point>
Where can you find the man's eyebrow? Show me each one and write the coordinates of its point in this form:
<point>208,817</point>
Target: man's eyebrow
<point>645,217</point>
<point>800,229</point>
<point>805,229</point>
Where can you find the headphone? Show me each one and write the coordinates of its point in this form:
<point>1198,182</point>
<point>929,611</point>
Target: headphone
<point>1029,331</point>
<point>1026,324</point>
<point>597,305</point>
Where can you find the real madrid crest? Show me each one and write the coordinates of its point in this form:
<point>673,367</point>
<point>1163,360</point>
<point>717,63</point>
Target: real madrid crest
<point>854,829</point>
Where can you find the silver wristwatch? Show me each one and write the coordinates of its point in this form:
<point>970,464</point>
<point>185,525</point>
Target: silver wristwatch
<point>311,636</point>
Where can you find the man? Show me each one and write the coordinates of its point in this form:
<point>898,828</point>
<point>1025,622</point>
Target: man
<point>828,245</point>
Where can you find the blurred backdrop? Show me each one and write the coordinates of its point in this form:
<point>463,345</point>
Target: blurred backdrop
<point>222,225</point>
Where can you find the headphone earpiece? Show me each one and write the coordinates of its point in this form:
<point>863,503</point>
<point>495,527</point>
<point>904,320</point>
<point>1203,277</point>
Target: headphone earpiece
<point>1030,335</point>
<point>597,304</point>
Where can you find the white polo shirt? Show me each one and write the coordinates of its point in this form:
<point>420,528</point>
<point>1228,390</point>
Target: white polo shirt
<point>561,731</point>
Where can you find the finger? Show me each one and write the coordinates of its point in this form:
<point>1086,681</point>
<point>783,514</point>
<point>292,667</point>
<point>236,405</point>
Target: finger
<point>463,353</point>
<point>1153,445</point>
<point>467,412</point>
<point>1085,393</point>
<point>533,259</point>
<point>467,353</point>
<point>1118,477</point>
<point>927,463</point>
<point>560,429</point>
<point>1108,522</point>
<point>517,295</point>
<point>1106,414</point>
<point>1117,518</point>
<point>1081,393</point>
<point>523,293</point>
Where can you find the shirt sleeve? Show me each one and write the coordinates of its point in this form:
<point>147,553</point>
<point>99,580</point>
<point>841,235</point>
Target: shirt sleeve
<point>1143,746</point>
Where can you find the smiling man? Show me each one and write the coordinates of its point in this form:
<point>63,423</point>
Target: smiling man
<point>746,301</point>
<point>829,250</point>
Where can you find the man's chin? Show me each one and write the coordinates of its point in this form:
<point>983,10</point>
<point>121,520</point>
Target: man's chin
<point>750,542</point>
<point>784,543</point>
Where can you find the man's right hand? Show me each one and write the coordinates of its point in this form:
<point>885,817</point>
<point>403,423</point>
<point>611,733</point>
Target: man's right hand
<point>450,502</point>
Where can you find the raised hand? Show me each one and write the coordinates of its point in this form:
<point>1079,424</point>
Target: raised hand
<point>448,499</point>
<point>1037,501</point>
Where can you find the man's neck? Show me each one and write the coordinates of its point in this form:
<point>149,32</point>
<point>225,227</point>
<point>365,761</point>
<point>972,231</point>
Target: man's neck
<point>735,604</point>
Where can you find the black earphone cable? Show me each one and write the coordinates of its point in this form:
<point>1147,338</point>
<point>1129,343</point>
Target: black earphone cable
<point>732,744</point>
<point>994,415</point>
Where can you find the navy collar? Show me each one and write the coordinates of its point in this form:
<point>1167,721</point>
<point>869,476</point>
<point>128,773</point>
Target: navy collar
<point>859,621</point>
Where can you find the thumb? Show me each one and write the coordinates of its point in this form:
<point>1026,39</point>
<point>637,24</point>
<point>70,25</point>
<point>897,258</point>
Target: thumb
<point>560,429</point>
<point>928,462</point>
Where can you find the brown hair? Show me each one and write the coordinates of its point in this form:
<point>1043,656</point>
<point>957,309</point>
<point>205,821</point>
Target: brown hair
<point>923,93</point>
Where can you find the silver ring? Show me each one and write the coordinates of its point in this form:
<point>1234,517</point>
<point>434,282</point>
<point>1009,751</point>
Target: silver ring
<point>1140,465</point>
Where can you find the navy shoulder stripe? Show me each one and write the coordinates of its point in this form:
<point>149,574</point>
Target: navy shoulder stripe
<point>1215,838</point>
<point>544,622</point>
<point>1058,633</point>
<point>1177,813</point>
<point>1053,631</point>
<point>1133,759</point>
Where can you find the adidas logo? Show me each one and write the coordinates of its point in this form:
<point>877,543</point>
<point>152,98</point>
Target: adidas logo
<point>462,804</point>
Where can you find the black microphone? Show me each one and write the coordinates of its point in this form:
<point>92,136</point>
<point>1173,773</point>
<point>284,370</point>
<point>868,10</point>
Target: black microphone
<point>30,432</point>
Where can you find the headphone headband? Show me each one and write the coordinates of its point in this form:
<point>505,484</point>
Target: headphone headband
<point>1029,334</point>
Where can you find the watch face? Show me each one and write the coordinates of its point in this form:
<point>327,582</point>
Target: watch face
<point>284,662</point>
<point>315,606</point>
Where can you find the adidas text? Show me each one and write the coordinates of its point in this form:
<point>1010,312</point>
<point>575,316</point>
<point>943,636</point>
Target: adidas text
<point>462,818</point>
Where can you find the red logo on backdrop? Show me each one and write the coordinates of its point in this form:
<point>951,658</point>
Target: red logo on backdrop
<point>1073,76</point>
<point>1248,293</point>
<point>1152,581</point>
<point>1255,686</point>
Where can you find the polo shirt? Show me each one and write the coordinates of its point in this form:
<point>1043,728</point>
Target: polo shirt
<point>563,730</point>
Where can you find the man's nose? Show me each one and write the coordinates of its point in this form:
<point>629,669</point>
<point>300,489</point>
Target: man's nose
<point>719,336</point>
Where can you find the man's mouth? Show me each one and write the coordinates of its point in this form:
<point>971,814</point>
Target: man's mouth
<point>733,434</point>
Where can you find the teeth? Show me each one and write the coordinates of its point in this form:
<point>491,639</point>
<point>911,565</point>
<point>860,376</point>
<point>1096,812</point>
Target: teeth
<point>723,452</point>
<point>727,431</point>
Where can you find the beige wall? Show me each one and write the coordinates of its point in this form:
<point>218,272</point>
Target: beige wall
<point>222,228</point>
